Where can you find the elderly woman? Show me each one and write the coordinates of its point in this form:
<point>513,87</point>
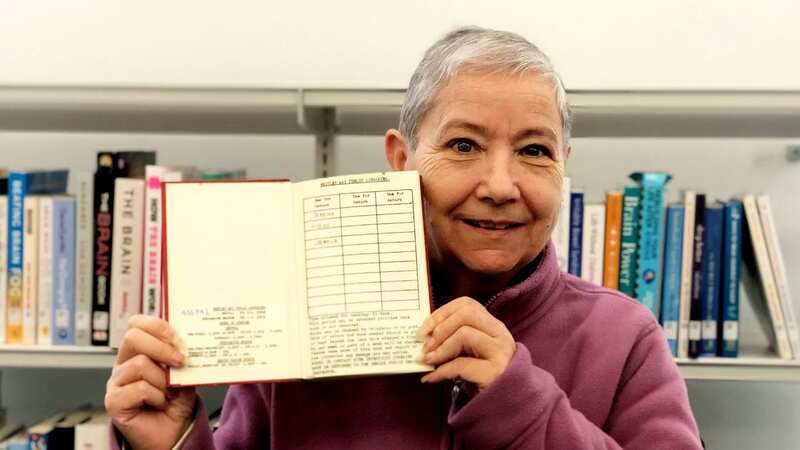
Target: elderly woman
<point>525,355</point>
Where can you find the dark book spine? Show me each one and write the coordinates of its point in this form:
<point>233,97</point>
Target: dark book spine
<point>712,271</point>
<point>575,233</point>
<point>101,247</point>
<point>696,312</point>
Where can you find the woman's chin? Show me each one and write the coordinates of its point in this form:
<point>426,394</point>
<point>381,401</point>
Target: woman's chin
<point>493,264</point>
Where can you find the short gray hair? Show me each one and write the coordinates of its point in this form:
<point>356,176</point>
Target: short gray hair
<point>480,49</point>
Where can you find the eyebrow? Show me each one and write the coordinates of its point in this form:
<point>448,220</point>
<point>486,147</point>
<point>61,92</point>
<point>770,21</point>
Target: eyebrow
<point>482,130</point>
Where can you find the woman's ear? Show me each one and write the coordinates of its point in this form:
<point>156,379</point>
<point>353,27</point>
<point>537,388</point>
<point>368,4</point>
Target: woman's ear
<point>396,150</point>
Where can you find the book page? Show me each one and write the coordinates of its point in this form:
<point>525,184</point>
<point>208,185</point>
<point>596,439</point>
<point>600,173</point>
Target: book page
<point>230,290</point>
<point>365,278</point>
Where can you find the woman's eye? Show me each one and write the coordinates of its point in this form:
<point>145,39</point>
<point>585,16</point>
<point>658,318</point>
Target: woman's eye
<point>463,145</point>
<point>535,151</point>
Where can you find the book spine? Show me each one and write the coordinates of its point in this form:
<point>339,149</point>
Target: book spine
<point>783,347</point>
<point>695,312</point>
<point>687,258</point>
<point>651,240</point>
<point>151,273</point>
<point>3,264</point>
<point>64,271</point>
<point>17,189</point>
<point>30,256</point>
<point>779,272</point>
<point>672,276</point>
<point>594,217</point>
<point>84,201</point>
<point>101,248</point>
<point>612,244</point>
<point>630,236</point>
<point>126,272</point>
<point>561,231</point>
<point>731,277</point>
<point>712,271</point>
<point>575,233</point>
<point>44,266</point>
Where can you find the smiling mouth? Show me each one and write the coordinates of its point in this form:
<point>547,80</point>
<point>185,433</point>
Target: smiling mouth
<point>489,225</point>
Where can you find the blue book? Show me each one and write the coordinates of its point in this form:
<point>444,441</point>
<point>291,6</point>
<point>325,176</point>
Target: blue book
<point>630,240</point>
<point>575,232</point>
<point>651,239</point>
<point>671,295</point>
<point>63,271</point>
<point>712,274</point>
<point>21,184</point>
<point>731,277</point>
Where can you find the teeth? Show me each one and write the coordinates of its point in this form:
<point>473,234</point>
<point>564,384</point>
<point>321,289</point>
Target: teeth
<point>492,225</point>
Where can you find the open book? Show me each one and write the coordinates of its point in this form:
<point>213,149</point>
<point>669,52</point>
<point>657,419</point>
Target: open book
<point>272,280</point>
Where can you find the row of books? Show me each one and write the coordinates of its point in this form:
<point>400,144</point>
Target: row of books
<point>84,428</point>
<point>79,265</point>
<point>683,261</point>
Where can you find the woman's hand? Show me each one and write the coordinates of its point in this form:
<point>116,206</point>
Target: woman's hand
<point>137,399</point>
<point>465,341</point>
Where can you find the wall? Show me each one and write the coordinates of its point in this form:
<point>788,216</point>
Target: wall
<point>622,44</point>
<point>732,415</point>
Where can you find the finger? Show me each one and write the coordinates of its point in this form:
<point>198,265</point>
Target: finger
<point>440,315</point>
<point>133,396</point>
<point>477,371</point>
<point>465,341</point>
<point>473,315</point>
<point>140,367</point>
<point>158,327</point>
<point>138,341</point>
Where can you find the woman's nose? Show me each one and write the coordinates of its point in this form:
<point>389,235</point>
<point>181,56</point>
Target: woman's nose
<point>498,182</point>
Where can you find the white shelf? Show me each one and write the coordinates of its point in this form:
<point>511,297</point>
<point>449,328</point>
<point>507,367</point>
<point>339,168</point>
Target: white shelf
<point>740,369</point>
<point>372,111</point>
<point>733,369</point>
<point>64,357</point>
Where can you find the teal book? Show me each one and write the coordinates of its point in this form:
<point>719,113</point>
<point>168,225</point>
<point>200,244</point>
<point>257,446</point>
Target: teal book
<point>728,345</point>
<point>651,239</point>
<point>630,237</point>
<point>671,297</point>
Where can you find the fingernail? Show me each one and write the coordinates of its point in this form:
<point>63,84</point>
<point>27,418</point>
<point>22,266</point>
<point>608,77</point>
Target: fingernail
<point>177,358</point>
<point>424,329</point>
<point>420,359</point>
<point>424,379</point>
<point>169,334</point>
<point>427,345</point>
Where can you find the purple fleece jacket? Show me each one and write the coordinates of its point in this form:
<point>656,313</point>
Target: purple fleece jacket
<point>592,370</point>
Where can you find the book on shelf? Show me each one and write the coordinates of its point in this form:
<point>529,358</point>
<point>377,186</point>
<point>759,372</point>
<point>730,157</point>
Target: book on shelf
<point>21,315</point>
<point>651,235</point>
<point>82,189</point>
<point>613,240</point>
<point>670,308</point>
<point>759,282</point>
<point>731,280</point>
<point>695,305</point>
<point>630,240</point>
<point>687,273</point>
<point>3,264</point>
<point>281,280</point>
<point>594,223</point>
<point>126,262</point>
<point>30,269</point>
<point>560,234</point>
<point>779,271</point>
<point>110,166</point>
<point>575,232</point>
<point>712,274</point>
<point>93,433</point>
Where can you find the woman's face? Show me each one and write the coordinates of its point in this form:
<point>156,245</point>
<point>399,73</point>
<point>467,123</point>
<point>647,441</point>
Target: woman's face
<point>491,159</point>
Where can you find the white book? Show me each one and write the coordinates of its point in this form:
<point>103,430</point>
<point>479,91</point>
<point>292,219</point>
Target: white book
<point>44,332</point>
<point>126,262</point>
<point>3,265</point>
<point>754,241</point>
<point>594,224</point>
<point>560,236</point>
<point>151,272</point>
<point>779,272</point>
<point>30,273</point>
<point>93,434</point>
<point>687,258</point>
<point>82,188</point>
